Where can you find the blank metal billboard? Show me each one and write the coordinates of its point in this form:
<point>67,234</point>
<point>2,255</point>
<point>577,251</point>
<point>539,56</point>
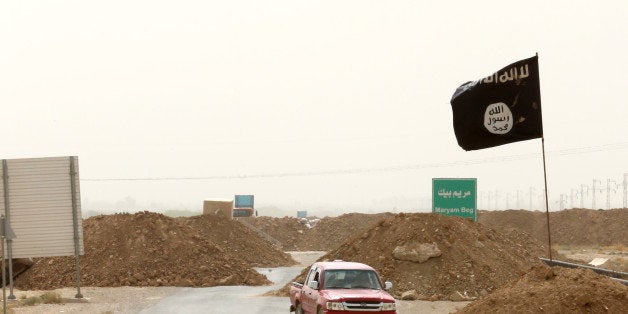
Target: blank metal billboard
<point>40,197</point>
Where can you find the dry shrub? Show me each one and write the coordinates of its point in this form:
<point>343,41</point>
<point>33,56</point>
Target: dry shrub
<point>51,298</point>
<point>618,247</point>
<point>31,301</point>
<point>46,298</point>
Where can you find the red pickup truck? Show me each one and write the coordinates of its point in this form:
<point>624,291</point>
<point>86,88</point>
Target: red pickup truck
<point>341,287</point>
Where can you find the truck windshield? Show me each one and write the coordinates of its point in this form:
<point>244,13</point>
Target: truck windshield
<point>351,279</point>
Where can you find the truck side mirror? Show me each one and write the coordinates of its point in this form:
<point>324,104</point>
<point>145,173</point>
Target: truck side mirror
<point>313,284</point>
<point>387,285</point>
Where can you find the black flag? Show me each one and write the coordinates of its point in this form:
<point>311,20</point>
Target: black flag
<point>501,108</point>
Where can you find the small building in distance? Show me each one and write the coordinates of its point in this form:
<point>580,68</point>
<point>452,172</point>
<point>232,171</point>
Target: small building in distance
<point>218,206</point>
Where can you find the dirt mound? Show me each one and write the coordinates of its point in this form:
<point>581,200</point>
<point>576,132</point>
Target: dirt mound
<point>286,230</point>
<point>569,227</point>
<point>330,232</point>
<point>595,227</point>
<point>555,290</point>
<point>242,241</point>
<point>533,223</point>
<point>440,257</point>
<point>326,235</point>
<point>143,249</point>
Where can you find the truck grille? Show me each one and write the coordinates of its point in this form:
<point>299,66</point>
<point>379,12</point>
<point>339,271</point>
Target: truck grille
<point>363,306</point>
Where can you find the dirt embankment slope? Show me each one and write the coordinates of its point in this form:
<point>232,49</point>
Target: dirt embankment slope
<point>239,240</point>
<point>555,290</point>
<point>149,249</point>
<point>440,256</point>
<point>326,235</point>
<point>567,227</point>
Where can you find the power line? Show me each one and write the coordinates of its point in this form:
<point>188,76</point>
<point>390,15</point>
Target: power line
<point>563,152</point>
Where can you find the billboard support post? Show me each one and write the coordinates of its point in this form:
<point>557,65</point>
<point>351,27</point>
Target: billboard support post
<point>75,226</point>
<point>7,223</point>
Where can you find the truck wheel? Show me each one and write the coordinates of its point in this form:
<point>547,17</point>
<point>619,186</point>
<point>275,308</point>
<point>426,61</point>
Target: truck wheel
<point>299,309</point>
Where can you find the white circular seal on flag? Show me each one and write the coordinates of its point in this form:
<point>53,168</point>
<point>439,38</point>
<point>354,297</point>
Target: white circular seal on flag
<point>498,118</point>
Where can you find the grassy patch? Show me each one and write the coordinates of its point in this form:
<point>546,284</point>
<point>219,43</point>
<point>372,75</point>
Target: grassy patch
<point>618,247</point>
<point>51,298</point>
<point>618,264</point>
<point>30,301</point>
<point>46,298</point>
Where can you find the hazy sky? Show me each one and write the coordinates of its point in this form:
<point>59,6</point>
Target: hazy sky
<point>353,96</point>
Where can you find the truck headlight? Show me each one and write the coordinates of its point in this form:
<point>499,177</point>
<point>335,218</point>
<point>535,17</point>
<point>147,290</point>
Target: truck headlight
<point>335,306</point>
<point>389,307</point>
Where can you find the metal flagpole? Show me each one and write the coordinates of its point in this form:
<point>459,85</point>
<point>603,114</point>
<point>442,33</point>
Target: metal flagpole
<point>2,226</point>
<point>549,235</point>
<point>4,281</point>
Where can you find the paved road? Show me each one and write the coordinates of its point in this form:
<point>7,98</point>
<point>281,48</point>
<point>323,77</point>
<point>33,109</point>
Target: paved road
<point>230,299</point>
<point>245,299</point>
<point>236,299</point>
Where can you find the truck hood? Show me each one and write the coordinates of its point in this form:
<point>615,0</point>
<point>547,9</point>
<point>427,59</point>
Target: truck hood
<point>357,295</point>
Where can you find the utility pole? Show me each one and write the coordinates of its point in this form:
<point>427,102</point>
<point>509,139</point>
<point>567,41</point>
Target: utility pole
<point>531,193</point>
<point>518,196</point>
<point>625,190</point>
<point>485,195</point>
<point>563,198</point>
<point>480,199</point>
<point>488,201</point>
<point>582,186</point>
<point>593,192</point>
<point>542,196</point>
<point>571,196</point>
<point>608,192</point>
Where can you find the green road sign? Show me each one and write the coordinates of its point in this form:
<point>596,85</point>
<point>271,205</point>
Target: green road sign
<point>455,197</point>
